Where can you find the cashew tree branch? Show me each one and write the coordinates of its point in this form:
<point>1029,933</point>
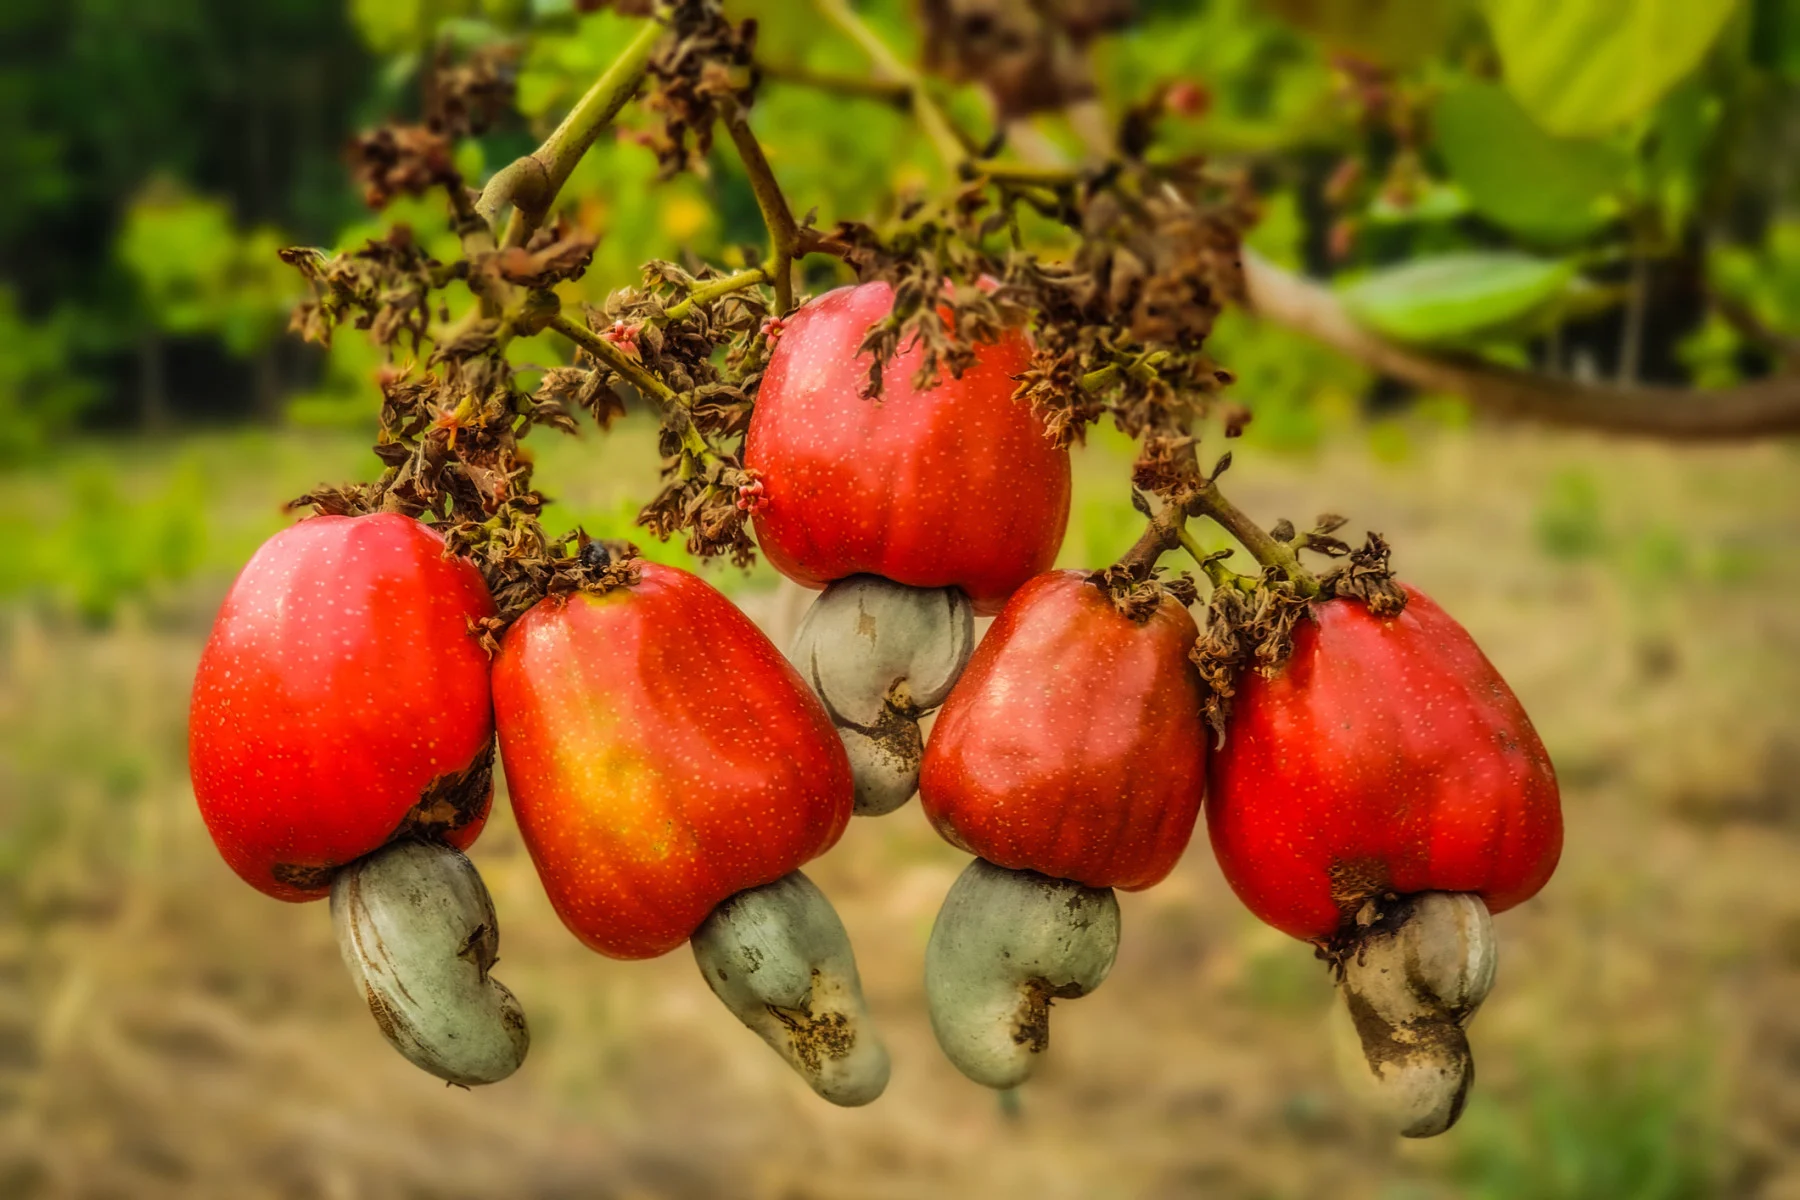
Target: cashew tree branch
<point>784,234</point>
<point>1756,409</point>
<point>530,184</point>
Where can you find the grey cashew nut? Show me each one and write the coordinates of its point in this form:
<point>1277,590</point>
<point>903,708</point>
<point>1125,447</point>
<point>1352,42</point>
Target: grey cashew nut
<point>417,930</point>
<point>779,958</point>
<point>881,655</point>
<point>1005,946</point>
<point>1421,968</point>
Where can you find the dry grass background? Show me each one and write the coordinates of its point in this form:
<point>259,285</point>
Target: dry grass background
<point>165,1032</point>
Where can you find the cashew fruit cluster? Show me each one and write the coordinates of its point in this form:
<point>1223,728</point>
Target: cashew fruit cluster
<point>1379,793</point>
<point>669,770</point>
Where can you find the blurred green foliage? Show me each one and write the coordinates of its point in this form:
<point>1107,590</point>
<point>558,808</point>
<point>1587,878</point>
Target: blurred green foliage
<point>1620,1126</point>
<point>200,275</point>
<point>1587,68</point>
<point>1535,185</point>
<point>1765,281</point>
<point>40,394</point>
<point>245,104</point>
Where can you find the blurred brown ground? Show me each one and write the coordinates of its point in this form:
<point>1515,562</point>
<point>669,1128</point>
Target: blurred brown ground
<point>165,1032</point>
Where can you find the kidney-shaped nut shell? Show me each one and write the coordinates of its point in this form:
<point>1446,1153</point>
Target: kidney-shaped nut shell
<point>884,765</point>
<point>868,643</point>
<point>417,930</point>
<point>1005,945</point>
<point>1421,967</point>
<point>779,958</point>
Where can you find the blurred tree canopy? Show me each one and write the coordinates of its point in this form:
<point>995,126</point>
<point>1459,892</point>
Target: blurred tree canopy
<point>1586,188</point>
<point>106,101</point>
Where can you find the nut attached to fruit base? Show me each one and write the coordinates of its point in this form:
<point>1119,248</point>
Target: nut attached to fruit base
<point>1005,946</point>
<point>880,655</point>
<point>1419,969</point>
<point>417,930</point>
<point>779,958</point>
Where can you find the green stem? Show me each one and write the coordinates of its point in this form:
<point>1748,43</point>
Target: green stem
<point>712,289</point>
<point>1208,501</point>
<point>1094,380</point>
<point>1220,574</point>
<point>931,117</point>
<point>1192,545</point>
<point>784,234</point>
<point>531,183</point>
<point>635,373</point>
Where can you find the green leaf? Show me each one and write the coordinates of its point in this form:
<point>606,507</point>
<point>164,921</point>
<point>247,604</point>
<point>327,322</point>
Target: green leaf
<point>1585,67</point>
<point>1764,277</point>
<point>1544,189</point>
<point>1456,298</point>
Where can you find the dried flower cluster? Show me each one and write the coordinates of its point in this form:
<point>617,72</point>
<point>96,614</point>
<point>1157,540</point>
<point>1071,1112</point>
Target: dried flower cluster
<point>468,97</point>
<point>1030,55</point>
<point>707,66</point>
<point>704,425</point>
<point>387,289</point>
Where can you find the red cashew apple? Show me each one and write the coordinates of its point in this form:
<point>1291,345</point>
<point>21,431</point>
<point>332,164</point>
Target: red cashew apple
<point>662,756</point>
<point>1070,757</point>
<point>1386,756</point>
<point>955,486</point>
<point>342,702</point>
<point>1073,743</point>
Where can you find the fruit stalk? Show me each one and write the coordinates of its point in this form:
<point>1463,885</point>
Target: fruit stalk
<point>637,375</point>
<point>784,234</point>
<point>1208,501</point>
